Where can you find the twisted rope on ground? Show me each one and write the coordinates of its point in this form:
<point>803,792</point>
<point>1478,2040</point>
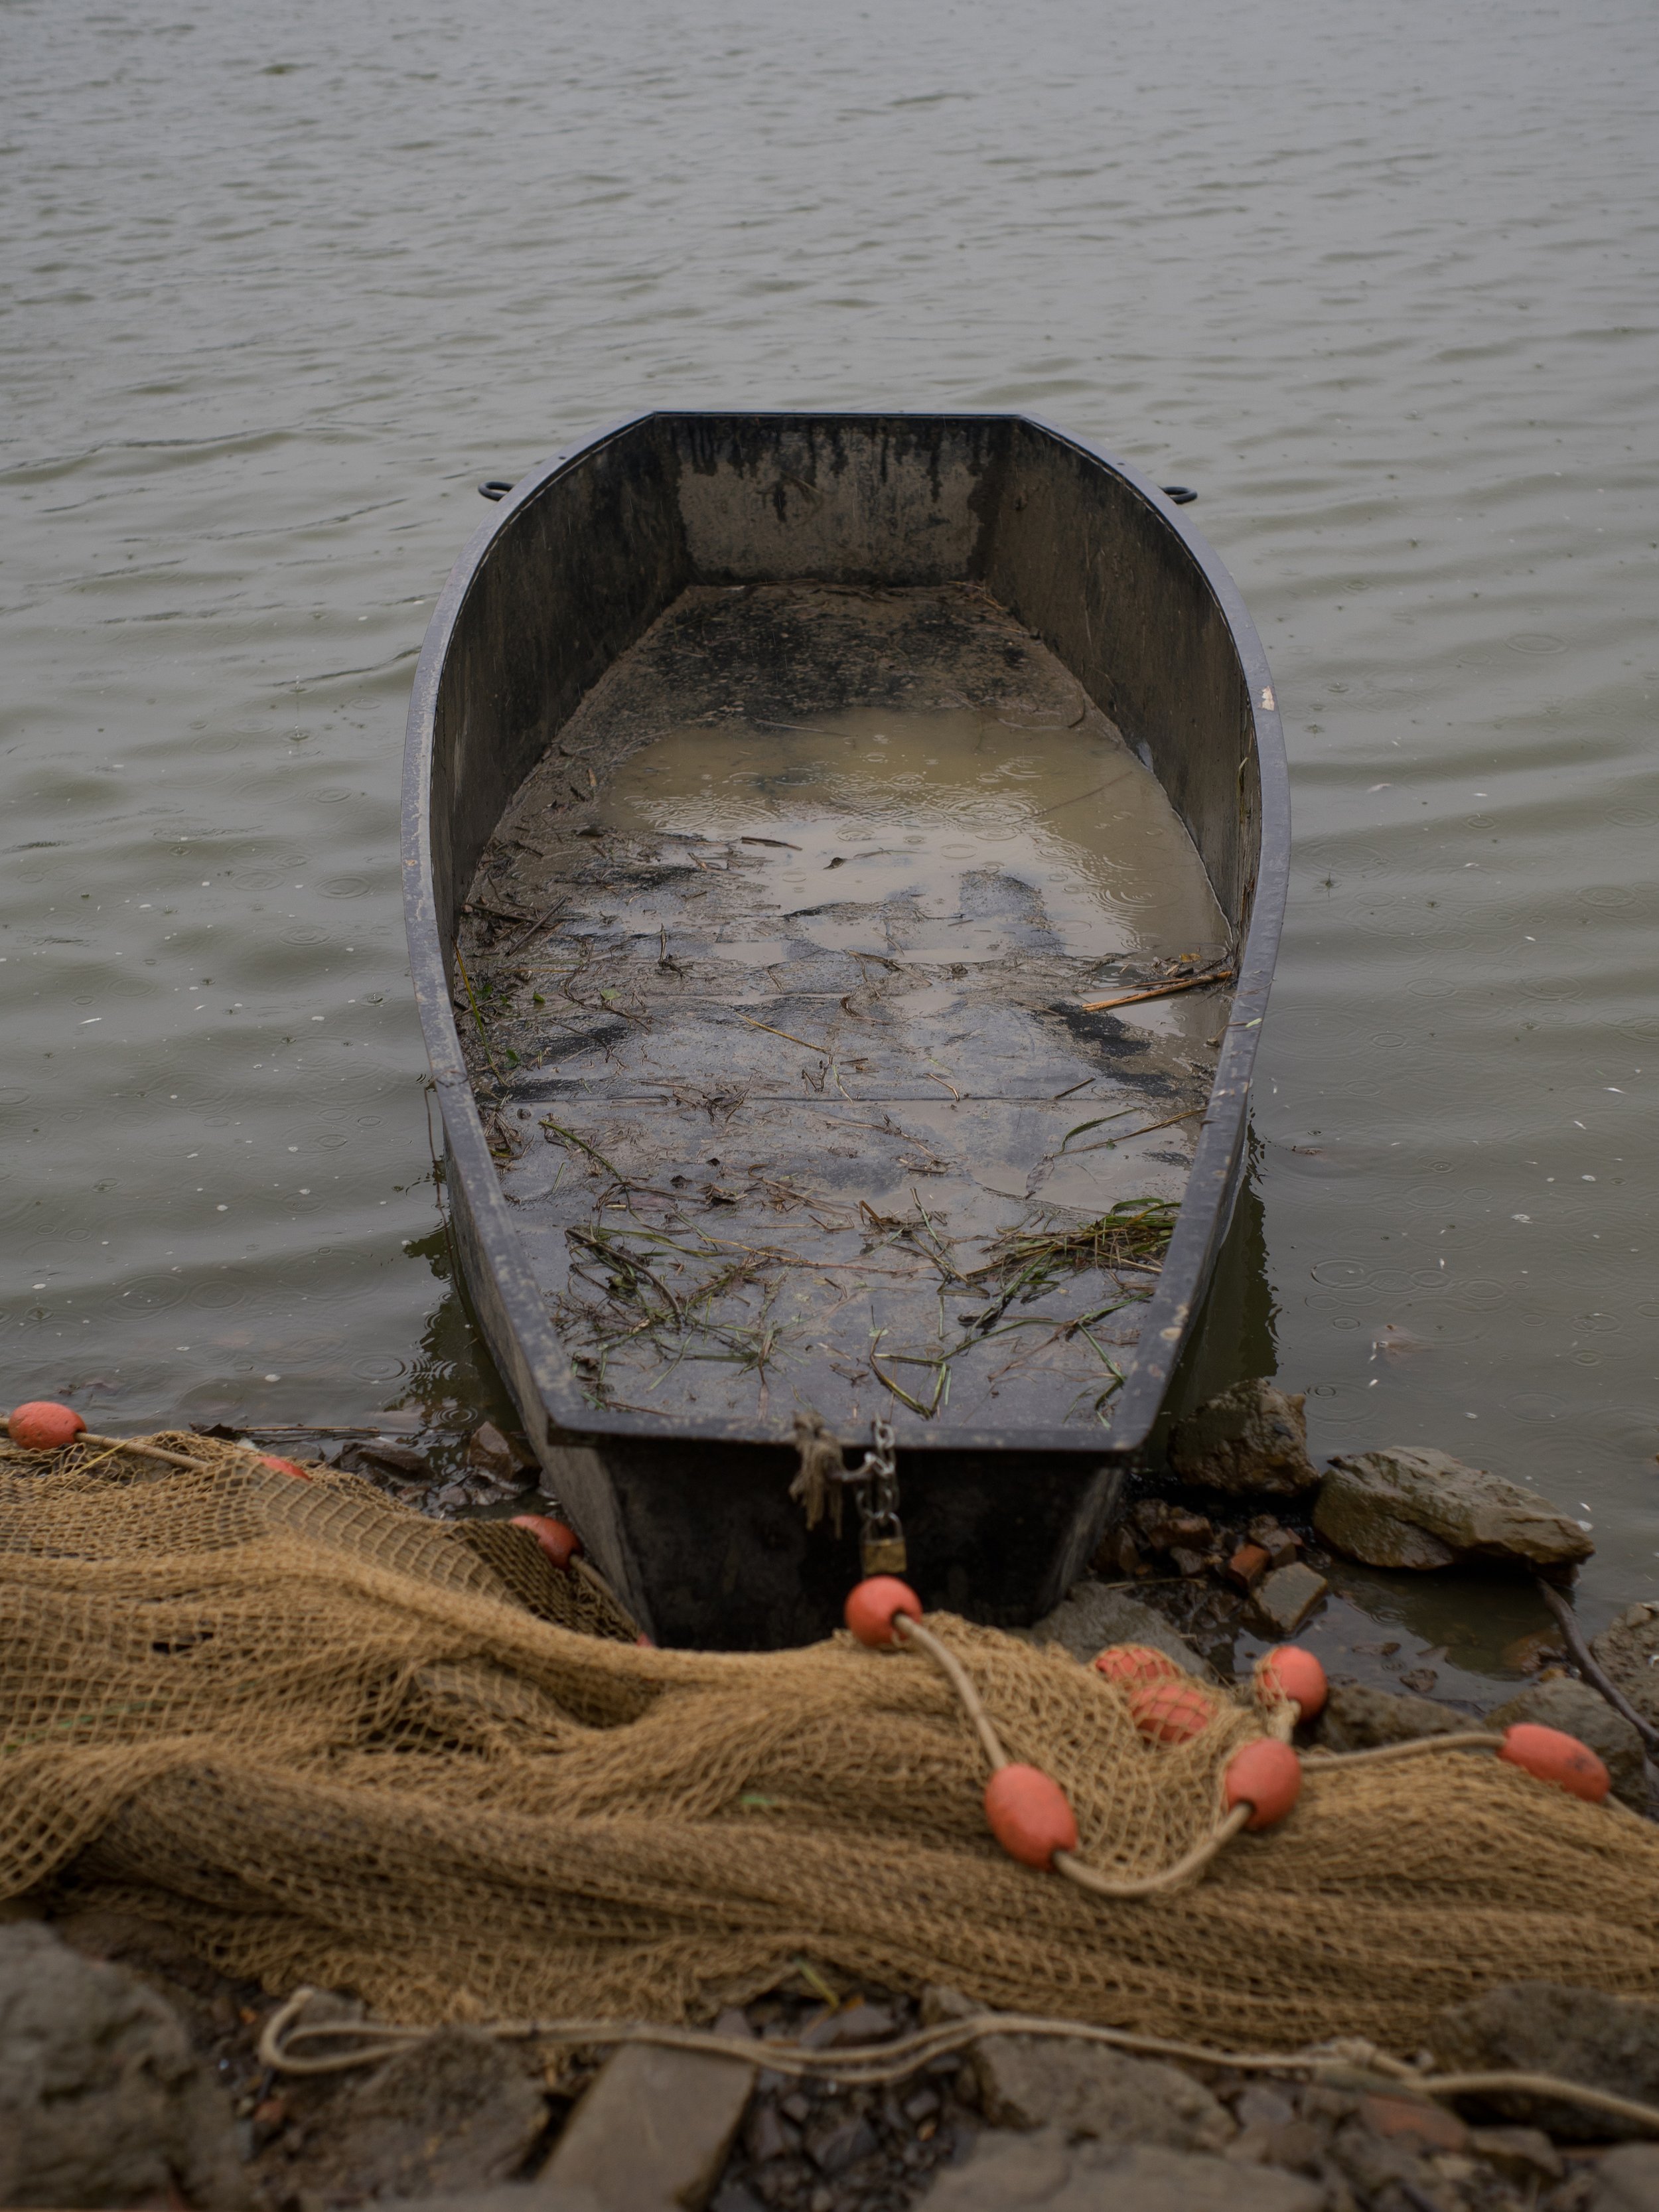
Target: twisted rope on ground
<point>872,2065</point>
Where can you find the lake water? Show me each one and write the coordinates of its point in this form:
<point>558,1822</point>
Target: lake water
<point>282,282</point>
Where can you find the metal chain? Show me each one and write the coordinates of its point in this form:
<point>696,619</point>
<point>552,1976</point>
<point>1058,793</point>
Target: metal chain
<point>881,1533</point>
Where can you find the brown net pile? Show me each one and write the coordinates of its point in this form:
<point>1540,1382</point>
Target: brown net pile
<point>327,1740</point>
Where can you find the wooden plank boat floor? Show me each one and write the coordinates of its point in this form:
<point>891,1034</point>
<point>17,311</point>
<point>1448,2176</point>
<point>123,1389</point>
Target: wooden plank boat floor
<point>792,1093</point>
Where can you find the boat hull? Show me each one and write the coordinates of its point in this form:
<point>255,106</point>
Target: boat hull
<point>691,1516</point>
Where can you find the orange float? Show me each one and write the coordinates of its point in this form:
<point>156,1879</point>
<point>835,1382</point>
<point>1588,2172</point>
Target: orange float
<point>557,1539</point>
<point>1554,1756</point>
<point>1029,1813</point>
<point>874,1605</point>
<point>1289,1675</point>
<point>1267,1776</point>
<point>1130,1665</point>
<point>1171,1712</point>
<point>43,1425</point>
<point>283,1466</point>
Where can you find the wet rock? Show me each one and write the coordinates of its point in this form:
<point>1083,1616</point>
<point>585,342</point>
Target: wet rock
<point>1417,2122</point>
<point>210,2004</point>
<point>1247,1564</point>
<point>940,2004</point>
<point>1035,2081</point>
<point>1045,2170</point>
<point>1539,1648</point>
<point>1627,2180</point>
<point>652,2130</point>
<point>102,2100</point>
<point>443,2116</point>
<point>1295,2143</point>
<point>1157,1527</point>
<point>730,2197</point>
<point>1547,2027</point>
<point>498,1458</point>
<point>1576,1708</point>
<point>1377,2165</point>
<point>1356,1719</point>
<point>863,2022</point>
<point>1259,2105</point>
<point>1280,1545</point>
<point>459,2111</point>
<point>1282,1600</point>
<point>1628,1652</point>
<point>400,1462</point>
<point>1522,2154</point>
<point>1164,1527</point>
<point>1412,1507</point>
<point>1118,1556</point>
<point>511,2196</point>
<point>766,2134</point>
<point>1252,1441</point>
<point>839,2140</point>
<point>1092,1616</point>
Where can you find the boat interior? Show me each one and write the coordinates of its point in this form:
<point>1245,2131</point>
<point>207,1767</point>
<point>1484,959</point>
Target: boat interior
<point>841,832</point>
<point>778,982</point>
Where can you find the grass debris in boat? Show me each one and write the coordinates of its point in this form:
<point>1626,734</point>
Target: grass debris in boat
<point>1135,1233</point>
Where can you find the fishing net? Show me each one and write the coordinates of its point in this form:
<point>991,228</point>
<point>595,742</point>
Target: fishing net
<point>327,1740</point>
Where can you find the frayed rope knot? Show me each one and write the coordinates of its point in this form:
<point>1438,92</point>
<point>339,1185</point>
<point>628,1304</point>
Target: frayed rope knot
<point>817,1487</point>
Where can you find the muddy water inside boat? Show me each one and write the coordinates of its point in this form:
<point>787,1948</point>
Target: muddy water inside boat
<point>795,1096</point>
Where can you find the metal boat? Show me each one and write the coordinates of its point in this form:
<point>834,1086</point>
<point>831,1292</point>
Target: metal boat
<point>844,859</point>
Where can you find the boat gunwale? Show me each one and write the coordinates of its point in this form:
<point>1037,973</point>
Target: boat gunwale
<point>1218,1155</point>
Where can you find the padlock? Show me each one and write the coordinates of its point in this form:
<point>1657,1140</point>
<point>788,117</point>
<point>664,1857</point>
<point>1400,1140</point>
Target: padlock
<point>883,1555</point>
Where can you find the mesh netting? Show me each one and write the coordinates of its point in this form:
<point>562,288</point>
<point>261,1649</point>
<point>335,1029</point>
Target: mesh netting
<point>328,1741</point>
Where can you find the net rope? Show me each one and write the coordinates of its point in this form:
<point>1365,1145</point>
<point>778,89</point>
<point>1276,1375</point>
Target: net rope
<point>329,1742</point>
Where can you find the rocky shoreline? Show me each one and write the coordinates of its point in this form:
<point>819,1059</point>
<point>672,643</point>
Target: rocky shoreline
<point>129,2075</point>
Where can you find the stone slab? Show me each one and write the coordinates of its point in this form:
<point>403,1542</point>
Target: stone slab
<point>1091,1616</point>
<point>1047,2173</point>
<point>652,2132</point>
<point>1089,2088</point>
<point>1412,1507</point>
<point>1282,1600</point>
